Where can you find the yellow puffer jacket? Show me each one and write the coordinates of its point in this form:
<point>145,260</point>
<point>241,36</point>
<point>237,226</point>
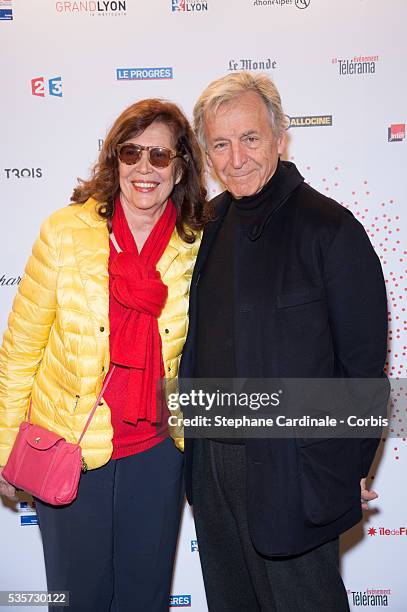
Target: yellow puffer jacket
<point>56,347</point>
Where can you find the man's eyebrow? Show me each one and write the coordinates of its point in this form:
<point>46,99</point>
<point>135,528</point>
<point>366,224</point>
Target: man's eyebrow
<point>249,133</point>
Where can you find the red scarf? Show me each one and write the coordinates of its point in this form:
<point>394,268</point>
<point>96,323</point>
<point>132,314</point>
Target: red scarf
<point>138,296</point>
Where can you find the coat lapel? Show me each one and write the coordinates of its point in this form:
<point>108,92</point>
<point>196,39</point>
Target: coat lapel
<point>187,365</point>
<point>211,230</point>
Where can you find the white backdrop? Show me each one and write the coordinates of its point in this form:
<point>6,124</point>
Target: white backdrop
<point>64,74</point>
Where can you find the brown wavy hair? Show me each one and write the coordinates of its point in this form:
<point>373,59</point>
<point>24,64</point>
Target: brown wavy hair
<point>189,195</point>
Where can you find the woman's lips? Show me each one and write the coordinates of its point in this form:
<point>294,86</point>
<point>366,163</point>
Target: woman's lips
<point>144,186</point>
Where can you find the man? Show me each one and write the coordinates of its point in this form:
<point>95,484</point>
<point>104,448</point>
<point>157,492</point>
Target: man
<point>286,285</point>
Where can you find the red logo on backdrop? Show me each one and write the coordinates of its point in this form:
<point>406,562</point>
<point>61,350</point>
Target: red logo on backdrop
<point>385,531</point>
<point>396,132</point>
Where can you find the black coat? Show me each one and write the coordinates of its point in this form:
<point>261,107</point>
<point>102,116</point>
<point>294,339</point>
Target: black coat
<point>311,303</point>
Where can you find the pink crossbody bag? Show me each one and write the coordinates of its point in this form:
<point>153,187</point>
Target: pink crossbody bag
<point>44,464</point>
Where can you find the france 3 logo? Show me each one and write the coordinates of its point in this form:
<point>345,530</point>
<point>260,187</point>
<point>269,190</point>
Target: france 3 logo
<point>41,87</point>
<point>180,601</point>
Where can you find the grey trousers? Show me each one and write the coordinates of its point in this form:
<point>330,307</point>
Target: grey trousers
<point>237,578</point>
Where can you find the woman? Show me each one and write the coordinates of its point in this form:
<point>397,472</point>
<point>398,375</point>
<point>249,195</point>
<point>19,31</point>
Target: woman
<point>120,259</point>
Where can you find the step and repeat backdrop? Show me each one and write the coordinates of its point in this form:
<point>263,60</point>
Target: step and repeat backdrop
<point>69,68</point>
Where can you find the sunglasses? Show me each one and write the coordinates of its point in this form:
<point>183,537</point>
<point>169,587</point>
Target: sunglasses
<point>159,157</point>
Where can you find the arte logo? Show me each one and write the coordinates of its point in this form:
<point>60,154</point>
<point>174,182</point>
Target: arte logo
<point>383,531</point>
<point>32,173</point>
<point>356,65</point>
<point>194,545</point>
<point>180,601</point>
<point>251,64</point>
<point>300,4</point>
<point>6,10</point>
<point>396,132</point>
<point>310,121</point>
<point>10,281</point>
<point>369,597</point>
<point>188,6</point>
<point>103,8</point>
<point>144,74</point>
<point>41,86</point>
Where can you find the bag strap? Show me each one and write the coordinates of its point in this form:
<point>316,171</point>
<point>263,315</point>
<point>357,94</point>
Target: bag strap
<point>92,412</point>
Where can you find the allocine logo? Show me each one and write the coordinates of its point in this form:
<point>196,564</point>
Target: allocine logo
<point>144,74</point>
<point>94,8</point>
<point>369,597</point>
<point>9,281</point>
<point>180,601</point>
<point>385,531</point>
<point>362,64</point>
<point>396,132</point>
<point>252,64</point>
<point>19,173</point>
<point>188,6</point>
<point>310,121</point>
<point>6,10</point>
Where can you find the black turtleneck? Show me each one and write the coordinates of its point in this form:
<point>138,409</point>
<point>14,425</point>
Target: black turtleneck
<point>215,351</point>
<point>216,290</point>
<point>249,207</point>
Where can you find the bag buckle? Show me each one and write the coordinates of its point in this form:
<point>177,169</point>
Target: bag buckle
<point>84,465</point>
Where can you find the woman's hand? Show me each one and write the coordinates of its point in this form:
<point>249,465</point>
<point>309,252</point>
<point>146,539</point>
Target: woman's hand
<point>6,488</point>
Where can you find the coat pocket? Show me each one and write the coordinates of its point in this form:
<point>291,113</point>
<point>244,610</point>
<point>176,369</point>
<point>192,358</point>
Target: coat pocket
<point>329,471</point>
<point>287,300</point>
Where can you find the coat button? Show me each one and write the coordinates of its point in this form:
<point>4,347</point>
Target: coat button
<point>102,329</point>
<point>167,331</point>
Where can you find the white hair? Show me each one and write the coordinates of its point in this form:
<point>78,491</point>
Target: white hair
<point>231,86</point>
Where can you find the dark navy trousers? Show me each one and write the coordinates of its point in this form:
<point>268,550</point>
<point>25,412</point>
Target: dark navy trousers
<point>113,548</point>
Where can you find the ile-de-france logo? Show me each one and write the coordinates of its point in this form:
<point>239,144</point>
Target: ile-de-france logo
<point>385,531</point>
<point>40,86</point>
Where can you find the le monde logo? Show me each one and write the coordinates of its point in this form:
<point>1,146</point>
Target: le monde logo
<point>252,64</point>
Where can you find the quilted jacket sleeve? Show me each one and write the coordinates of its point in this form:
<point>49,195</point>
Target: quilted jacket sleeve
<point>29,325</point>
